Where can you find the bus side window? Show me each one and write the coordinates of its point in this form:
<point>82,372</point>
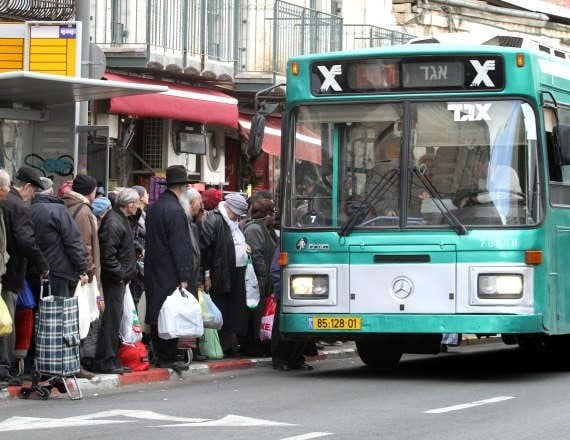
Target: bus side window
<point>559,175</point>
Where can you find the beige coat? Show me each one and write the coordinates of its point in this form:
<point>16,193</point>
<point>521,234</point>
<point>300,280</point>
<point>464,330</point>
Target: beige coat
<point>80,209</point>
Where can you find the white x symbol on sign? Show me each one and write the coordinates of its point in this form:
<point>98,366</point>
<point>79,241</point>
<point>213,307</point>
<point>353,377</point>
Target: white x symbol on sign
<point>329,76</point>
<point>482,76</point>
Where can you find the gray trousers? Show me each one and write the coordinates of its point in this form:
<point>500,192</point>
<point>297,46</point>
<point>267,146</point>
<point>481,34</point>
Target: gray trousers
<point>7,342</point>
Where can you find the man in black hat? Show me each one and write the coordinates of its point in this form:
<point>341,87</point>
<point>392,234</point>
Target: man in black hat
<point>22,247</point>
<point>168,259</point>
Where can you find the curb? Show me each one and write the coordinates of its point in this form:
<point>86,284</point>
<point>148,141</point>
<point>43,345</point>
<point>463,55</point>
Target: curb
<point>106,382</point>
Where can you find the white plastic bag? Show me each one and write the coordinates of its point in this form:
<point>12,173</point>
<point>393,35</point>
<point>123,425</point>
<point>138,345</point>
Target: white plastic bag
<point>211,315</point>
<point>180,316</point>
<point>82,292</point>
<point>141,311</point>
<point>130,331</point>
<point>94,295</point>
<point>251,286</point>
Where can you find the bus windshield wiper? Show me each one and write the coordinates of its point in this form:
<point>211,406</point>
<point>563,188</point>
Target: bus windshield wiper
<point>436,197</point>
<point>384,184</point>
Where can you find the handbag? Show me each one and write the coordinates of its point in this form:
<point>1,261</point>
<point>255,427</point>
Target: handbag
<point>211,315</point>
<point>5,319</point>
<point>251,285</point>
<point>180,316</point>
<point>267,319</point>
<point>130,331</point>
<point>26,299</point>
<point>210,344</point>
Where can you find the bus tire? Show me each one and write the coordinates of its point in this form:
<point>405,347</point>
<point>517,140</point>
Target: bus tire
<point>378,353</point>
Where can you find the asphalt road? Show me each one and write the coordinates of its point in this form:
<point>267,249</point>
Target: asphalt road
<point>473,393</point>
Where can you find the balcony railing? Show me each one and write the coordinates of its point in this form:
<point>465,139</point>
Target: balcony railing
<point>257,36</point>
<point>53,10</point>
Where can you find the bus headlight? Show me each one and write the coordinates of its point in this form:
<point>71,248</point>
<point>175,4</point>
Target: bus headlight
<point>508,286</point>
<point>309,286</point>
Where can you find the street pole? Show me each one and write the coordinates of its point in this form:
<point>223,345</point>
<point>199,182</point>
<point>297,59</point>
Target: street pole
<point>82,15</point>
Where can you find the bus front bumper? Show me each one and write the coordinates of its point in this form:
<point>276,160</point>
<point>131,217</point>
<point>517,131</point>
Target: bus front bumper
<point>387,323</point>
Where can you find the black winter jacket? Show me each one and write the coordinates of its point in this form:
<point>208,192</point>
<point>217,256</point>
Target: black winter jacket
<point>168,256</point>
<point>118,259</point>
<point>20,242</point>
<point>58,237</point>
<point>217,250</point>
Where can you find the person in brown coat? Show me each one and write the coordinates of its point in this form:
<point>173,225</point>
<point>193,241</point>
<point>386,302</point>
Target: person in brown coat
<point>78,202</point>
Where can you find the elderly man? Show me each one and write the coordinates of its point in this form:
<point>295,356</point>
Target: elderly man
<point>194,208</point>
<point>118,267</point>
<point>59,241</point>
<point>168,260</point>
<point>22,247</point>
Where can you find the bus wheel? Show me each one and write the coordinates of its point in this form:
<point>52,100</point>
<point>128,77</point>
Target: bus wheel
<point>378,353</point>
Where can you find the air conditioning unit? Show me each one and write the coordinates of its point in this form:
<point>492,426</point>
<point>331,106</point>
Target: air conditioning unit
<point>214,164</point>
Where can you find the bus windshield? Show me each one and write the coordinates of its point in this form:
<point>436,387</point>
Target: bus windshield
<point>422,164</point>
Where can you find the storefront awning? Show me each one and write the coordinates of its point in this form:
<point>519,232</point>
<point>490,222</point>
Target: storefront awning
<point>42,89</point>
<point>180,102</point>
<point>307,147</point>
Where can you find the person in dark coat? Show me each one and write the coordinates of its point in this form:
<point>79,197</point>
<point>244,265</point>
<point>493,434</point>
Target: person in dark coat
<point>286,355</point>
<point>118,267</point>
<point>168,260</point>
<point>224,260</point>
<point>60,242</point>
<point>22,248</point>
<point>261,238</point>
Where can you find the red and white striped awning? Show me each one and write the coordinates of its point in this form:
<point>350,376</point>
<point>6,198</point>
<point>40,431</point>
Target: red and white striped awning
<point>180,102</point>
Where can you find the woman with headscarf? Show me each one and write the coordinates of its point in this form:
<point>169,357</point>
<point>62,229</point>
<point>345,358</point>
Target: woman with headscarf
<point>224,259</point>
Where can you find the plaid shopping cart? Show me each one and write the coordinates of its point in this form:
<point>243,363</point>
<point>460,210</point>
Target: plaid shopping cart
<point>57,347</point>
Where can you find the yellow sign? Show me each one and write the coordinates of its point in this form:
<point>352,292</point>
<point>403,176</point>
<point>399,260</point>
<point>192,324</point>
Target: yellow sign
<point>40,47</point>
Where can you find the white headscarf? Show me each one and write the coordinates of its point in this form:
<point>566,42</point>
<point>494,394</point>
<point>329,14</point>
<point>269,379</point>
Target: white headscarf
<point>237,235</point>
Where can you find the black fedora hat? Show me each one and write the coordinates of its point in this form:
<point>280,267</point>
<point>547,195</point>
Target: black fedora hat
<point>30,175</point>
<point>177,174</point>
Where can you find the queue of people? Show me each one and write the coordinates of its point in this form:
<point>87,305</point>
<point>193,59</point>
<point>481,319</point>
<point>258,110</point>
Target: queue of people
<point>184,239</point>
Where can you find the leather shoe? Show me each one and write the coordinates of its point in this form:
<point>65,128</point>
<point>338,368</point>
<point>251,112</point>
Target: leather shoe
<point>116,370</point>
<point>84,374</point>
<point>177,366</point>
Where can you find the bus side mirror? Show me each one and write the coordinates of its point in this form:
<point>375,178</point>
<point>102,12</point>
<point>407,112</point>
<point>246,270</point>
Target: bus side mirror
<point>256,133</point>
<point>562,144</point>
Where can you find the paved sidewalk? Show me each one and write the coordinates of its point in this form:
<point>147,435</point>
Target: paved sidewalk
<point>106,382</point>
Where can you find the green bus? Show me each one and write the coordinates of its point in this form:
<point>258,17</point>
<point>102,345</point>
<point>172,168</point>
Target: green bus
<point>425,189</point>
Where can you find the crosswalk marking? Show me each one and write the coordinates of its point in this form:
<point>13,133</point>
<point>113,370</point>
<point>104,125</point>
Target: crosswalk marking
<point>468,405</point>
<point>308,436</point>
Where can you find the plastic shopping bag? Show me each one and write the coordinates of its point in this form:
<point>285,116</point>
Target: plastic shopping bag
<point>267,319</point>
<point>26,299</point>
<point>180,316</point>
<point>210,344</point>
<point>82,292</point>
<point>251,286</point>
<point>5,319</point>
<point>94,298</point>
<point>130,331</point>
<point>211,315</point>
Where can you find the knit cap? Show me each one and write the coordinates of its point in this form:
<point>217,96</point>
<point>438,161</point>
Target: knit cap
<point>100,205</point>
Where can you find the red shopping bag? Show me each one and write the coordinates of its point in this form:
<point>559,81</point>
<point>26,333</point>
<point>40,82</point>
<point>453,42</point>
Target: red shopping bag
<point>267,319</point>
<point>24,330</point>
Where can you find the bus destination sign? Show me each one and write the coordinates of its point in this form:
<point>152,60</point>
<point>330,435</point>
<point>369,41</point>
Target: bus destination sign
<point>457,73</point>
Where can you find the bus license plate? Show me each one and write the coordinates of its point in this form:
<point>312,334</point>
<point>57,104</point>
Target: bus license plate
<point>336,323</point>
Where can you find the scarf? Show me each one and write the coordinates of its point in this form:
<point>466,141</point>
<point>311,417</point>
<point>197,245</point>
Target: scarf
<point>237,235</point>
